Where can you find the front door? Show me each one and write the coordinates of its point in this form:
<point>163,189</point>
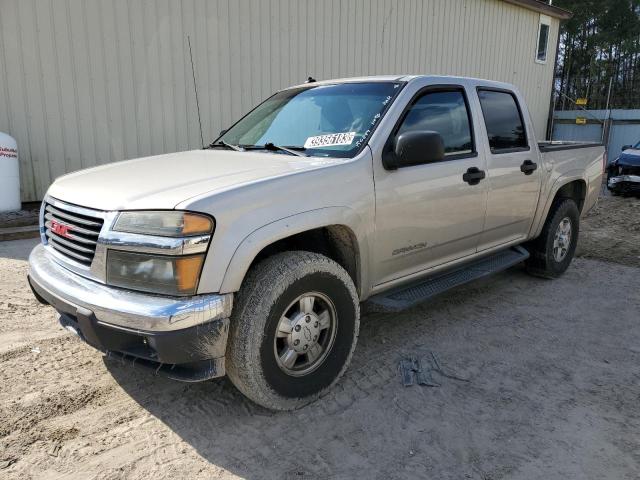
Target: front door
<point>513,176</point>
<point>427,215</point>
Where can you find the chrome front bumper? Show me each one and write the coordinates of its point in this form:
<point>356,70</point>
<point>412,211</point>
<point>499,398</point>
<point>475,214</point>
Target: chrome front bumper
<point>116,307</point>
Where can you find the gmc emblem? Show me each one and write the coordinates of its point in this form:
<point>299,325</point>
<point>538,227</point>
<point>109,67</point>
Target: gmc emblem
<point>59,229</point>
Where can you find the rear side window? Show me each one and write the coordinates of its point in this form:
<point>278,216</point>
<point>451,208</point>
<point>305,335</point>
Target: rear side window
<point>444,112</point>
<point>503,120</point>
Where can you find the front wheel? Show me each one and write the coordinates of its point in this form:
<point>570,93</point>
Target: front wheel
<point>552,252</point>
<point>293,329</point>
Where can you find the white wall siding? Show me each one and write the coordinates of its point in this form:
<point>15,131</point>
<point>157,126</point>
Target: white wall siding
<point>86,82</point>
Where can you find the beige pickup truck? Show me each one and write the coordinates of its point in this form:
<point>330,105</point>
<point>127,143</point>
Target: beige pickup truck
<point>251,257</point>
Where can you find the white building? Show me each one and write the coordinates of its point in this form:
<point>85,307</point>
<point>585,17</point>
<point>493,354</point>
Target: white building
<point>86,82</point>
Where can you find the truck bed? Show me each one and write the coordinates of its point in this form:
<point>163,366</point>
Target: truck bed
<point>565,160</point>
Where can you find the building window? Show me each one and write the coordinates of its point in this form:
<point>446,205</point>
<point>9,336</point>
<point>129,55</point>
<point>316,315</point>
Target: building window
<point>543,39</point>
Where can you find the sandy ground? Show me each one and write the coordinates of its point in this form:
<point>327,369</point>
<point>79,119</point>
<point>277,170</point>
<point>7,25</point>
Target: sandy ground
<point>611,231</point>
<point>553,390</point>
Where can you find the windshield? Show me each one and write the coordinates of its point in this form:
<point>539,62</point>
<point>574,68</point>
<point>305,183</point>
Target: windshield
<point>637,146</point>
<point>322,120</point>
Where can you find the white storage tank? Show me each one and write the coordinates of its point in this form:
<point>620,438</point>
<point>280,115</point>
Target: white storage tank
<point>9,174</point>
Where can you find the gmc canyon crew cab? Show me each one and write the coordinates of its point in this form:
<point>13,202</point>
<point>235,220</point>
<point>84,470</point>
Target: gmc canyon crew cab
<point>251,257</point>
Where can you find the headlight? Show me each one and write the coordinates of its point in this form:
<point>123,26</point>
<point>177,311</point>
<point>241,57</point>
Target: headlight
<point>146,262</point>
<point>154,273</point>
<point>169,223</point>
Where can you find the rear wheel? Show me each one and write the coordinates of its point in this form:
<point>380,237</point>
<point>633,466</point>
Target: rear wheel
<point>293,330</point>
<point>552,252</point>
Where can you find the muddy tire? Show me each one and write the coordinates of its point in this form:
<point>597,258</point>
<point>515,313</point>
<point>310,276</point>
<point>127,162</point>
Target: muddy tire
<point>552,252</point>
<point>293,330</point>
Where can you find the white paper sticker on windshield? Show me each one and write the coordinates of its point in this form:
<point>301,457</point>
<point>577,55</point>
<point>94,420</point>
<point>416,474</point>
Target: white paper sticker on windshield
<point>330,140</point>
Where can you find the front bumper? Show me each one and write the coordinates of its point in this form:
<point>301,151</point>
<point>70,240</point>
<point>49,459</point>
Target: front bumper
<point>624,183</point>
<point>183,338</point>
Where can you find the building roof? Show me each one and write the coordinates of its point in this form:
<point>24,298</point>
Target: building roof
<point>542,7</point>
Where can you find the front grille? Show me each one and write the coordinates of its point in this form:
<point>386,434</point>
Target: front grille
<point>629,170</point>
<point>72,234</point>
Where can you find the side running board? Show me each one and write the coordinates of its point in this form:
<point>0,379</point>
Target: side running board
<point>405,297</point>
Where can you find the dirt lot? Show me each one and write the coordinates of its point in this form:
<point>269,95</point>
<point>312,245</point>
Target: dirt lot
<point>553,390</point>
<point>611,231</point>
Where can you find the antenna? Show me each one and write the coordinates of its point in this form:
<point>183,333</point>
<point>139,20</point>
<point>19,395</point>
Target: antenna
<point>195,88</point>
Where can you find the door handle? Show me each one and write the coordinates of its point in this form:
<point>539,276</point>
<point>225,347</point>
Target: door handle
<point>473,175</point>
<point>528,167</point>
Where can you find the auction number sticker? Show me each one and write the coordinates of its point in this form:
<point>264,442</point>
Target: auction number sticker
<point>330,140</point>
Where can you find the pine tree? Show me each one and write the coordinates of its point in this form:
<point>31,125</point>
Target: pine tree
<point>601,42</point>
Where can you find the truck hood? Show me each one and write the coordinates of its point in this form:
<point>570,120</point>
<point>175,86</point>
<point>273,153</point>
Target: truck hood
<point>163,181</point>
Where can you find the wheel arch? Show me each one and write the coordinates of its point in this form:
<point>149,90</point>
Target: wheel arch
<point>575,190</point>
<point>573,187</point>
<point>334,232</point>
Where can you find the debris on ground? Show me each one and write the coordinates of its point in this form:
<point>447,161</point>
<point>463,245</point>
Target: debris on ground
<point>7,463</point>
<point>55,449</point>
<point>415,370</point>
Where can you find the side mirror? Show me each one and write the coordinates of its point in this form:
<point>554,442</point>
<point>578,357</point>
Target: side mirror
<point>414,148</point>
<point>626,147</point>
<point>222,132</point>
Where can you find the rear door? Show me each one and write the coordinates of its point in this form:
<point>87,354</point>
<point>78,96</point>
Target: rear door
<point>427,215</point>
<point>513,168</point>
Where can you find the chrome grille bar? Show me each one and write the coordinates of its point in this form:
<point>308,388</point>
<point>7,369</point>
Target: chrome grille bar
<point>70,253</point>
<point>67,243</point>
<point>75,218</point>
<point>72,234</point>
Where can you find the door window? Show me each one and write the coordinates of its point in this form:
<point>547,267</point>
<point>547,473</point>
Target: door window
<point>503,120</point>
<point>445,112</point>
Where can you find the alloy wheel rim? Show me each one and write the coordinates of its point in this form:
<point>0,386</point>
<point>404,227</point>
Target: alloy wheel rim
<point>562,240</point>
<point>305,334</point>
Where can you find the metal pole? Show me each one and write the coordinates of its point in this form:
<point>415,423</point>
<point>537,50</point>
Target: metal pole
<point>607,112</point>
<point>609,93</point>
<point>553,114</point>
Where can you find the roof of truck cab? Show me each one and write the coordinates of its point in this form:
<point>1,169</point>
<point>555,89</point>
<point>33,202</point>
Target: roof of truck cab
<point>372,78</point>
<point>405,78</point>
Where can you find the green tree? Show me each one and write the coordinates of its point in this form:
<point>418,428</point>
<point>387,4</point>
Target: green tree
<point>601,43</point>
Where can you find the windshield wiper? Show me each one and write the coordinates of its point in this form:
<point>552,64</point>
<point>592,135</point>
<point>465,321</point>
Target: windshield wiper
<point>274,148</point>
<point>224,144</point>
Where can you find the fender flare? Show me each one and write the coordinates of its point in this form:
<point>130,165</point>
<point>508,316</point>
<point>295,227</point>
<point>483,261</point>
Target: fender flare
<point>570,176</point>
<point>285,227</point>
